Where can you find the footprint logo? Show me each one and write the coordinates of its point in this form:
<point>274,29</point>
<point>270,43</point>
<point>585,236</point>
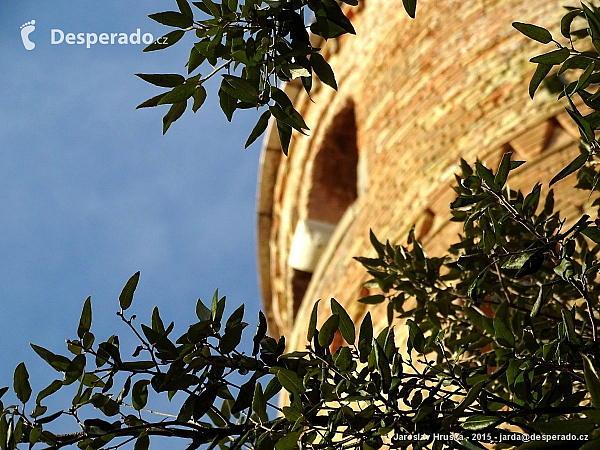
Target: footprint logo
<point>26,30</point>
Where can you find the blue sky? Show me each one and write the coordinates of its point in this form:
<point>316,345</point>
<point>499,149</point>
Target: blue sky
<point>91,192</point>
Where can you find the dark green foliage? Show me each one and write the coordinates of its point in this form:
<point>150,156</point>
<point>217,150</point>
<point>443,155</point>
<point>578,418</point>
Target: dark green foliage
<point>126,296</point>
<point>534,32</point>
<point>254,45</point>
<point>507,314</point>
<point>411,7</point>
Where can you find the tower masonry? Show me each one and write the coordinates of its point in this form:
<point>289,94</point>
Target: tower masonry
<point>414,96</point>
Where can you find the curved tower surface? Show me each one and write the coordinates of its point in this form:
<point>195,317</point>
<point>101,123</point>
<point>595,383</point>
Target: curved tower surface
<point>414,96</point>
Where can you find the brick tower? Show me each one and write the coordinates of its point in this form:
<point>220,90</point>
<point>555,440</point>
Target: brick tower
<point>414,97</point>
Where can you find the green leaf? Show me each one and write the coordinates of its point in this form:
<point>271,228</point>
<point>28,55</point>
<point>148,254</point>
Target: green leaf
<point>289,380</point>
<point>365,338</point>
<point>217,307</point>
<point>486,175</point>
<point>295,122</point>
<point>531,202</point>
<point>592,381</point>
<point>97,427</point>
<point>593,21</point>
<point>531,264</point>
<point>259,403</point>
<point>259,128</point>
<point>143,440</point>
<point>516,262</point>
<point>471,396</point>
<point>21,383</point>
<point>472,290</point>
<point>312,323</point>
<point>289,441</point>
<point>49,390</point>
<point>285,135</point>
<point>344,360</point>
<point>180,93</point>
<point>204,402</point>
<point>323,70</point>
<point>346,323</point>
<point>174,113</point>
<point>111,350</point>
<point>139,394</point>
<point>379,248</point>
<point>151,102</point>
<point>85,321</point>
<point>199,97</point>
<point>235,317</point>
<point>576,164</point>
<point>58,362</point>
<point>157,323</point>
<point>383,365</point>
<point>241,89</point>
<point>504,336</point>
<point>540,73</point>
<point>554,57</point>
<point>261,331</point>
<point>185,8</point>
<point>569,325</point>
<point>335,16</point>
<point>567,20</point>
<point>416,339</point>
<point>126,296</point>
<point>124,391</point>
<point>245,396</point>
<point>165,41</point>
<point>542,295</point>
<point>411,7</point>
<point>582,83</point>
<point>231,338</point>
<point>162,80</point>
<point>593,233</point>
<point>372,299</point>
<point>75,370</point>
<point>533,32</point>
<point>227,102</point>
<point>195,59</point>
<point>564,269</point>
<point>202,312</point>
<point>503,170</point>
<point>292,414</point>
<point>585,129</point>
<point>479,422</point>
<point>173,19</point>
<point>212,7</point>
<point>328,331</point>
<point>273,388</point>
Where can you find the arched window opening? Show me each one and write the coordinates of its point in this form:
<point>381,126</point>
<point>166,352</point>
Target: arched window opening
<point>333,188</point>
<point>334,177</point>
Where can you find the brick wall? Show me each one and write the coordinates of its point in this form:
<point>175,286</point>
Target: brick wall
<point>451,83</point>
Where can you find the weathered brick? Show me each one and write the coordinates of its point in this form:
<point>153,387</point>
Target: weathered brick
<point>451,83</point>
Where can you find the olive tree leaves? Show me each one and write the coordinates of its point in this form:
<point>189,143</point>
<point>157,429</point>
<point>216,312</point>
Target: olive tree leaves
<point>579,59</point>
<point>498,332</point>
<point>518,288</point>
<point>254,46</point>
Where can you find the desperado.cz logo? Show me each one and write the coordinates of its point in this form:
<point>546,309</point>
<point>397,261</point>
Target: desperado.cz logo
<point>58,36</point>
